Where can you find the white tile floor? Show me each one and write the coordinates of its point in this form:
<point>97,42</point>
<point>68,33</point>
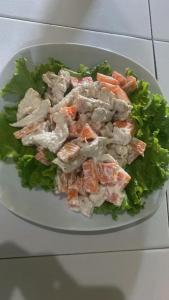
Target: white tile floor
<point>107,16</point>
<point>37,240</point>
<point>160,20</point>
<point>126,275</point>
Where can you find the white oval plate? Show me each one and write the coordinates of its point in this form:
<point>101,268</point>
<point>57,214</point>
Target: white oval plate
<point>45,208</point>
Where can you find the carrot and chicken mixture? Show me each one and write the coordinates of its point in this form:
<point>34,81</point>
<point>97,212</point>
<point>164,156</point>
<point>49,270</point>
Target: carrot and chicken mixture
<point>87,125</point>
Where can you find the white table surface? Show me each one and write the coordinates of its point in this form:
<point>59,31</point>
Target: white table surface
<point>111,276</point>
<point>126,275</point>
<point>111,16</point>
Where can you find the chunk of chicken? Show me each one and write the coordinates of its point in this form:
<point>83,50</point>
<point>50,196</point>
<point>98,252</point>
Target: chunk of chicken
<point>122,109</point>
<point>122,132</point>
<point>57,85</point>
<point>27,139</point>
<point>85,104</point>
<point>86,206</point>
<point>69,98</point>
<point>38,115</point>
<point>102,115</point>
<point>114,195</point>
<point>119,152</point>
<point>98,198</point>
<point>87,150</point>
<point>53,140</point>
<point>68,167</point>
<point>95,148</point>
<point>28,104</point>
<point>107,130</point>
<point>136,148</point>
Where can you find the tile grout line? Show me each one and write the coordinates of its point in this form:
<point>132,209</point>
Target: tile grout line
<point>84,253</point>
<point>86,29</point>
<point>152,39</point>
<point>71,27</point>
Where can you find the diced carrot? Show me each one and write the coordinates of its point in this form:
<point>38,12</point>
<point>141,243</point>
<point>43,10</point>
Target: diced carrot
<point>125,124</point>
<point>90,181</point>
<point>120,93</point>
<point>79,185</point>
<point>68,152</point>
<point>123,178</point>
<point>87,133</point>
<point>107,172</point>
<point>120,78</point>
<point>107,79</point>
<point>40,156</point>
<point>63,182</point>
<point>66,181</point>
<point>72,193</point>
<point>69,111</point>
<point>26,130</point>
<point>107,85</point>
<point>130,85</point>
<point>138,146</point>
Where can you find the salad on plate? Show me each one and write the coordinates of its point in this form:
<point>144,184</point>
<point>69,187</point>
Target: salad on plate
<point>97,135</point>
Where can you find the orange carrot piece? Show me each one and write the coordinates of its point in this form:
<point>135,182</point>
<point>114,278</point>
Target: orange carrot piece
<point>107,172</point>
<point>104,78</point>
<point>72,193</point>
<point>40,156</point>
<point>138,146</point>
<point>90,180</point>
<point>123,178</point>
<point>87,133</point>
<point>130,85</point>
<point>68,152</point>
<point>26,130</point>
<point>124,124</point>
<point>107,85</point>
<point>69,111</point>
<point>120,78</point>
<point>120,93</point>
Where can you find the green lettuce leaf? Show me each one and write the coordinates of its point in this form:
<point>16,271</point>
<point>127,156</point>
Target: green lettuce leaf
<point>23,78</point>
<point>104,68</point>
<point>34,174</point>
<point>82,71</point>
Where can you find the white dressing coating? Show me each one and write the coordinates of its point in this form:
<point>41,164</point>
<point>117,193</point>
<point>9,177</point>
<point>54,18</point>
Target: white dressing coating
<point>28,104</point>
<point>81,129</point>
<point>38,115</point>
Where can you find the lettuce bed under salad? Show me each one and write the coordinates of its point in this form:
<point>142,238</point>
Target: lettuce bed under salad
<point>150,113</point>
